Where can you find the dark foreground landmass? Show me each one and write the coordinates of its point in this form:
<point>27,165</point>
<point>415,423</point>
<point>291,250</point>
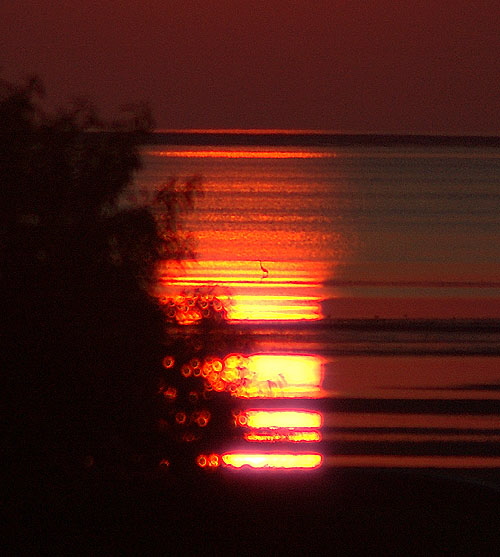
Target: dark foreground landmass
<point>334,512</point>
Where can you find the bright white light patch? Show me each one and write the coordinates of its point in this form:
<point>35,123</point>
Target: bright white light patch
<point>283,375</point>
<point>272,460</point>
<point>283,419</point>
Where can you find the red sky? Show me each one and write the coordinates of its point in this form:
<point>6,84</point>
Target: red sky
<point>416,66</point>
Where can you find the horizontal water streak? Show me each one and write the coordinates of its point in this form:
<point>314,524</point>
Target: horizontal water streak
<point>424,461</point>
<point>395,420</point>
<point>393,437</point>
<point>232,153</point>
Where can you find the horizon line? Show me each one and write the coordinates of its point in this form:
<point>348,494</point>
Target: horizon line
<point>300,131</point>
<point>250,131</point>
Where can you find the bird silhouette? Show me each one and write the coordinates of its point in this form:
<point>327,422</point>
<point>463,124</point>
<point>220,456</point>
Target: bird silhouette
<point>265,272</point>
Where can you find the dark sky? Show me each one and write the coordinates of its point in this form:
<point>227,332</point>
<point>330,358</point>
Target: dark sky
<point>349,65</point>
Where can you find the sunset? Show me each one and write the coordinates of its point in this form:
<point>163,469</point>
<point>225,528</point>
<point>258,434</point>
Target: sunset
<point>250,277</point>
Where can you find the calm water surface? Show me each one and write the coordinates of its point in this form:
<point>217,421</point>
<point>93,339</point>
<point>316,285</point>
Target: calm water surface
<point>382,262</point>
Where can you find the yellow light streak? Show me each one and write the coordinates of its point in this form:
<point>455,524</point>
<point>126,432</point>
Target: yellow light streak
<point>282,375</point>
<point>282,418</point>
<point>274,436</point>
<point>271,391</point>
<point>264,375</point>
<point>272,461</point>
<point>258,312</point>
<point>296,369</point>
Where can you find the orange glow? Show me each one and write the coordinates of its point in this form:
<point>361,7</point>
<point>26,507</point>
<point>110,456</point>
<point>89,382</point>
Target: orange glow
<point>269,260</point>
<point>282,418</point>
<point>263,375</point>
<point>208,461</point>
<point>290,291</point>
<point>201,418</point>
<point>180,418</point>
<point>272,461</point>
<point>237,273</point>
<point>168,362</point>
<point>170,393</point>
<point>190,310</point>
<point>258,308</point>
<point>274,436</point>
<point>233,154</point>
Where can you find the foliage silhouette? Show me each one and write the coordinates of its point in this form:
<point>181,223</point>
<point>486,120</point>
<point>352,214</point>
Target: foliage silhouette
<point>83,339</point>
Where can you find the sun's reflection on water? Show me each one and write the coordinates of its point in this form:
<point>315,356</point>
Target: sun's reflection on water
<point>257,292</point>
<point>295,426</point>
<point>273,460</point>
<point>265,376</point>
<point>242,154</point>
<point>282,418</point>
<point>265,250</point>
<point>284,292</point>
<point>284,376</point>
<point>292,436</point>
<point>270,376</point>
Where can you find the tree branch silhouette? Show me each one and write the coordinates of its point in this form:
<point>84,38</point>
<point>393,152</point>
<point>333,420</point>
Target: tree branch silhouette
<point>82,337</point>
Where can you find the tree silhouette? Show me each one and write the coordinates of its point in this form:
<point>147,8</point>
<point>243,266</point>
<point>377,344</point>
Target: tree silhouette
<point>82,337</point>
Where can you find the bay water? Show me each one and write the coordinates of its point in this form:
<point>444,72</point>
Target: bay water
<point>381,260</point>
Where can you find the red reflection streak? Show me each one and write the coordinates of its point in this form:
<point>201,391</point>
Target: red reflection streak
<point>415,437</point>
<point>272,461</point>
<point>383,420</point>
<point>400,461</point>
<point>242,154</point>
